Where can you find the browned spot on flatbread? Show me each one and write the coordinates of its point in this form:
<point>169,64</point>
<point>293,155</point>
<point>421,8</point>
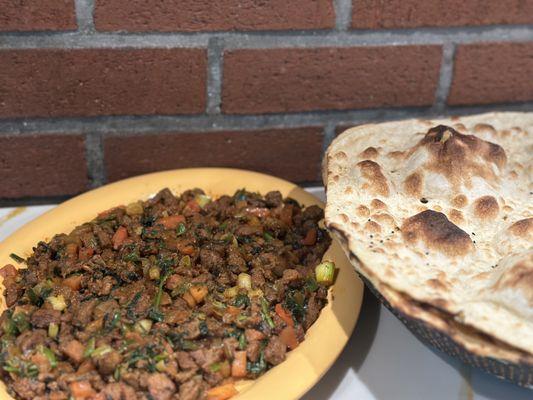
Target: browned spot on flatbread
<point>344,218</point>
<point>372,227</point>
<point>436,231</point>
<point>377,204</point>
<point>457,156</point>
<point>362,211</point>
<point>460,201</point>
<point>436,284</point>
<point>383,218</point>
<point>456,216</point>
<point>369,153</point>
<point>348,190</point>
<point>484,128</point>
<point>340,155</point>
<point>396,154</point>
<point>377,183</point>
<point>413,184</point>
<point>486,207</point>
<point>522,228</point>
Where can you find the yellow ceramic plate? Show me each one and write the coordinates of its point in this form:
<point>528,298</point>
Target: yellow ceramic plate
<point>324,340</point>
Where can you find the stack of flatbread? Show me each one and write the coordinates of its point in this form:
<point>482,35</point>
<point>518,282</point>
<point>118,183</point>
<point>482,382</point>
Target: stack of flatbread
<point>438,216</point>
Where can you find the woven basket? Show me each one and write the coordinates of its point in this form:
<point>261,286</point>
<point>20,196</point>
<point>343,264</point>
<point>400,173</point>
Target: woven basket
<point>519,374</point>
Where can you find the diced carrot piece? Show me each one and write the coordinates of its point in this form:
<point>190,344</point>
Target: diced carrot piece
<point>8,270</point>
<point>189,299</point>
<point>310,237</point>
<point>288,337</point>
<point>187,250</point>
<point>73,282</point>
<point>171,222</point>
<point>198,292</point>
<point>119,237</point>
<point>238,366</point>
<point>284,315</point>
<point>253,335</point>
<point>193,206</point>
<point>234,311</point>
<point>81,390</point>
<point>286,214</point>
<point>222,392</point>
<point>85,253</point>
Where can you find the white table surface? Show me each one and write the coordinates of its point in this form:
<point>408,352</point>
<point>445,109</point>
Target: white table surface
<point>382,360</point>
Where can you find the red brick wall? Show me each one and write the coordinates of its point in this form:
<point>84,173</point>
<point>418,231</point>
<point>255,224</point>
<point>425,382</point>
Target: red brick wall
<point>96,91</point>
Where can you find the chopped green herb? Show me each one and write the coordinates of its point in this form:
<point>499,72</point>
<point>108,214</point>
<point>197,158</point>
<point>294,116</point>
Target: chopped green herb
<point>21,368</point>
<point>21,322</point>
<point>130,309</point>
<point>241,300</point>
<point>204,331</point>
<point>181,229</point>
<point>268,237</point>
<point>265,313</point>
<point>156,315</point>
<point>17,258</point>
<point>258,366</point>
<point>311,285</point>
<point>110,322</point>
<point>215,367</point>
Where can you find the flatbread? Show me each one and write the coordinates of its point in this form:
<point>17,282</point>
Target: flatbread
<point>441,211</point>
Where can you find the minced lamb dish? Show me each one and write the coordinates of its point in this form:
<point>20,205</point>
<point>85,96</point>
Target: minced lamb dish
<point>176,297</point>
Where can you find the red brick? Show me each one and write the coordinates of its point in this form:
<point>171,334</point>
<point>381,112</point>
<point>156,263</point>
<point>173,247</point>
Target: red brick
<point>90,82</point>
<point>204,15</point>
<point>37,15</point>
<point>42,165</point>
<point>288,80</point>
<point>292,154</point>
<point>391,14</point>
<point>492,73</point>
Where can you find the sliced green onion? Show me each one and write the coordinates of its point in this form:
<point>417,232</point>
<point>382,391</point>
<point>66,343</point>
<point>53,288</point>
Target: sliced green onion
<point>185,262</point>
<point>58,302</point>
<point>89,348</point>
<point>143,326</point>
<point>102,350</point>
<point>231,292</point>
<point>53,330</point>
<point>268,237</point>
<point>154,273</point>
<point>244,281</point>
<point>161,366</point>
<point>49,354</point>
<point>202,200</point>
<point>265,312</point>
<point>325,273</point>
<point>17,258</point>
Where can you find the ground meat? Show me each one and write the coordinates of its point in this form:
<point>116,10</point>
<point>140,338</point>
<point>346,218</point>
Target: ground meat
<point>158,297</point>
<point>44,317</point>
<point>28,388</point>
<point>211,260</point>
<point>275,351</point>
<point>191,389</point>
<point>160,386</point>
<point>185,361</point>
<point>119,391</point>
<point>31,338</point>
<point>73,350</point>
<point>313,310</point>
